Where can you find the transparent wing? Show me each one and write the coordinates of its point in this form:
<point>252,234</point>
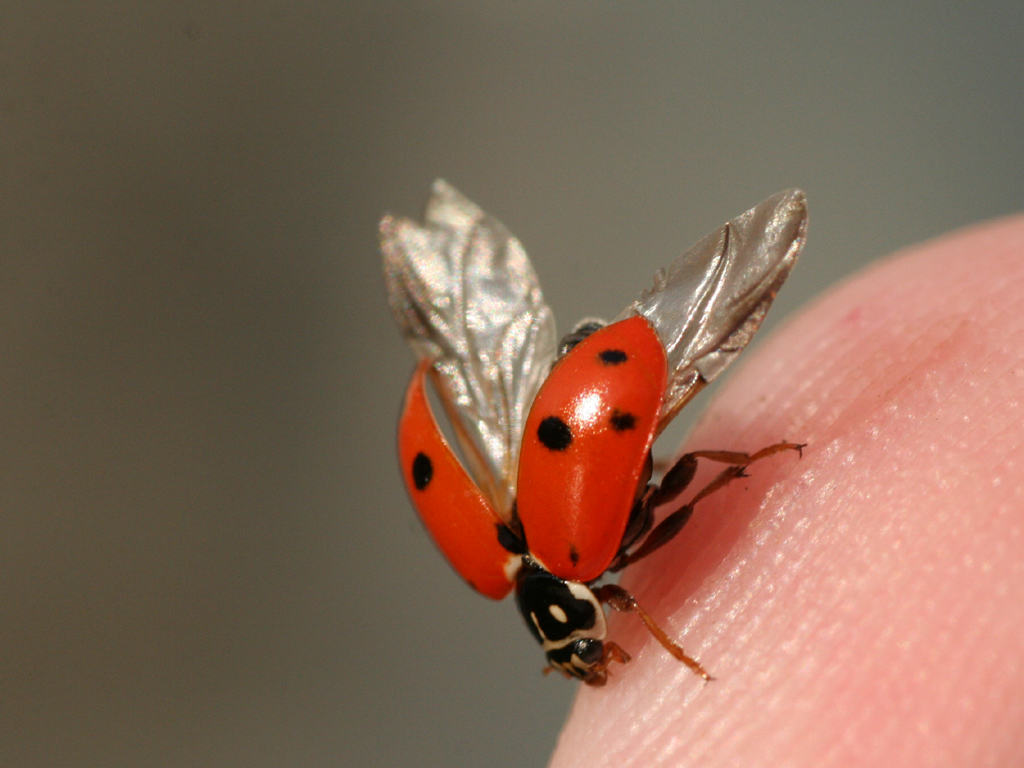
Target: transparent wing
<point>466,298</point>
<point>710,302</point>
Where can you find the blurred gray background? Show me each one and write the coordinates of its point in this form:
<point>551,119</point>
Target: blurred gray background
<point>206,554</point>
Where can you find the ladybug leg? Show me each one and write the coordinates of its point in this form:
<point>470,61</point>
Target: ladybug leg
<point>641,517</point>
<point>678,477</point>
<point>620,600</point>
<point>671,525</point>
<point>613,652</point>
<point>744,459</point>
<point>675,482</point>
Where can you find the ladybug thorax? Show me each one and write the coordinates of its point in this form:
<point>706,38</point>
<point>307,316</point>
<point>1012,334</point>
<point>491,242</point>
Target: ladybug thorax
<point>565,617</point>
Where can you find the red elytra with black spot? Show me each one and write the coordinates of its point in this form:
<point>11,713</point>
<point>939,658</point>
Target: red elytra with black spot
<point>585,446</point>
<point>455,511</point>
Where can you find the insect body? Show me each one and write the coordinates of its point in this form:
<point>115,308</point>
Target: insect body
<point>554,490</point>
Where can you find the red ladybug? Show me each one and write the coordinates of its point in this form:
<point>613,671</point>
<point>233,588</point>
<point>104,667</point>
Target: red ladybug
<point>553,489</point>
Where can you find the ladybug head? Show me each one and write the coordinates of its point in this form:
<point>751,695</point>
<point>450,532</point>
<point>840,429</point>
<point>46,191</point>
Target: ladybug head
<point>566,618</point>
<point>583,658</point>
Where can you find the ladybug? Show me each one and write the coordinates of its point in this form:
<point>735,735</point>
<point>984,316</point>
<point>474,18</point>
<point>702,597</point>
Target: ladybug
<point>553,489</point>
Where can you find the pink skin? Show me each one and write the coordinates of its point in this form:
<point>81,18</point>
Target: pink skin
<point>863,605</point>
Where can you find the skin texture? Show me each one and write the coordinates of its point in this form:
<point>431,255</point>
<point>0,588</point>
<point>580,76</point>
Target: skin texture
<point>863,605</point>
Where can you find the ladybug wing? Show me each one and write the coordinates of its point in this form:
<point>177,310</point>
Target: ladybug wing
<point>467,300</point>
<point>708,304</point>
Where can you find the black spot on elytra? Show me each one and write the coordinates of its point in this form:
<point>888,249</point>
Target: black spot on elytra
<point>622,421</point>
<point>574,555</point>
<point>422,471</point>
<point>554,434</point>
<point>612,356</point>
